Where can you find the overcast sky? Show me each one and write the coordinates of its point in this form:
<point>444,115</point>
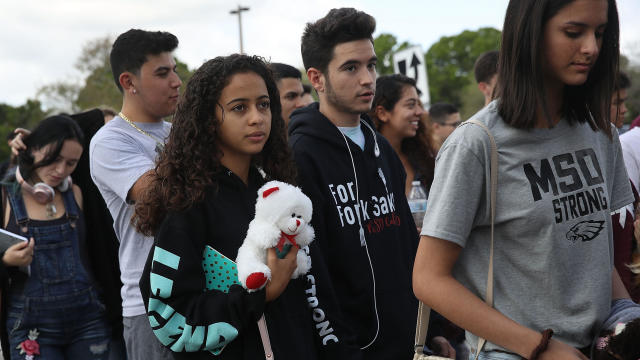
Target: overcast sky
<point>41,40</point>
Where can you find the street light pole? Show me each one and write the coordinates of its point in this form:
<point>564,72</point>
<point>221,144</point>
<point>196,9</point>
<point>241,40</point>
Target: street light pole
<point>239,11</point>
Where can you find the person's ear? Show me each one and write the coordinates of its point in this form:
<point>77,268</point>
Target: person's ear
<point>127,81</point>
<point>483,86</point>
<point>317,79</point>
<point>382,114</point>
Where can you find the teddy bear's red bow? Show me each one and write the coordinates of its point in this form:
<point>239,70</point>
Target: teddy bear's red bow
<point>283,238</point>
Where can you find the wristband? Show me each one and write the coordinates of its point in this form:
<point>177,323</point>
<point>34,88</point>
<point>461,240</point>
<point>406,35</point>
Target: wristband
<point>544,343</point>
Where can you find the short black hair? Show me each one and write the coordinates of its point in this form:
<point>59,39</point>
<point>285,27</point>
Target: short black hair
<point>623,81</point>
<point>338,26</point>
<point>438,112</point>
<point>306,88</point>
<point>129,51</point>
<point>282,71</point>
<point>486,66</point>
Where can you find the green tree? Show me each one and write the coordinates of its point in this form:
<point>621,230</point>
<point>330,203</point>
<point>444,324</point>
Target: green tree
<point>450,63</point>
<point>12,117</point>
<point>97,87</point>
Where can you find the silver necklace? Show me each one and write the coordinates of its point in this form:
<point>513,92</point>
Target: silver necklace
<point>159,144</point>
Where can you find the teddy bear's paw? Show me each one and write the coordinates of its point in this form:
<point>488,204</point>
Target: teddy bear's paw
<point>255,281</point>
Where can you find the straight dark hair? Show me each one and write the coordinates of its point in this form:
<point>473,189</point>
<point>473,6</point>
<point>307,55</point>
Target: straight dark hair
<point>53,131</point>
<point>486,66</point>
<point>520,85</point>
<point>389,90</point>
<point>284,71</point>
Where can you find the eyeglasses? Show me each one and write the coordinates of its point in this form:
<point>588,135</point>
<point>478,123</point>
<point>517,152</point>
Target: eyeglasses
<point>453,124</point>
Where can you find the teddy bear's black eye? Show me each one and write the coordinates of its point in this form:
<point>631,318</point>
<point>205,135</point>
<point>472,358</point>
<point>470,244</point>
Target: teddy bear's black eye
<point>293,215</point>
<point>299,216</point>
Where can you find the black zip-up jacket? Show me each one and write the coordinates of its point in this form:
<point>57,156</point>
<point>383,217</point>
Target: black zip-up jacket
<point>192,321</point>
<point>340,283</point>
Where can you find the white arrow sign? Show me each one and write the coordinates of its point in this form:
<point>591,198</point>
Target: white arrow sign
<point>410,62</point>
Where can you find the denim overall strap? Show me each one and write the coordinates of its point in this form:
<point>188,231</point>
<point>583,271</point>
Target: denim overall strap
<point>70,206</point>
<point>57,271</point>
<point>14,193</point>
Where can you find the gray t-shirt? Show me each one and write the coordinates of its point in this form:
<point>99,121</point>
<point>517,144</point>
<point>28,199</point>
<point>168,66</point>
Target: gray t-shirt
<point>553,242</point>
<point>119,155</point>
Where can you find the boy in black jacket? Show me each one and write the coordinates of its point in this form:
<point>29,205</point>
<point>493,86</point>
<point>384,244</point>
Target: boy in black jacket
<point>359,287</point>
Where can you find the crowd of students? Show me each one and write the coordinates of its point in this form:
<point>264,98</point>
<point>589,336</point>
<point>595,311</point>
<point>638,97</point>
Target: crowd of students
<point>173,190</point>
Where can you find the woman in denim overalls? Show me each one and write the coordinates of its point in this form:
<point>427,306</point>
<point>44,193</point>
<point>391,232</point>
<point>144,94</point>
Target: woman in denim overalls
<point>54,312</point>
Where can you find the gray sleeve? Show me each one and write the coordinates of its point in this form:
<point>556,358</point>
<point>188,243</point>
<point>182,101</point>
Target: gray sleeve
<point>459,185</point>
<point>117,162</point>
<point>620,193</point>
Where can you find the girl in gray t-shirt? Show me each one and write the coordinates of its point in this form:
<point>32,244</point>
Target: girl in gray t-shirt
<point>560,174</point>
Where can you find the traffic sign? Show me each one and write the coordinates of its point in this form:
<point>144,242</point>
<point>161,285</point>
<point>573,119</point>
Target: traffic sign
<point>410,62</point>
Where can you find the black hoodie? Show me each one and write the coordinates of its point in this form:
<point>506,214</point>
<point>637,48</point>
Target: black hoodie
<point>341,286</point>
<point>191,320</point>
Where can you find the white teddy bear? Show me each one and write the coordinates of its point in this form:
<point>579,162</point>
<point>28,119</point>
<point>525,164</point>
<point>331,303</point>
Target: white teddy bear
<point>282,219</point>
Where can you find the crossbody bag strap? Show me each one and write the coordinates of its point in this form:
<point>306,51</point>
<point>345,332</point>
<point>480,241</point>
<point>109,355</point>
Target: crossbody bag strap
<point>264,336</point>
<point>494,188</point>
<point>422,326</point>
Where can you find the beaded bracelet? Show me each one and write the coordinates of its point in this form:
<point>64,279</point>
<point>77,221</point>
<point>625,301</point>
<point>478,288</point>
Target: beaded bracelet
<point>544,343</point>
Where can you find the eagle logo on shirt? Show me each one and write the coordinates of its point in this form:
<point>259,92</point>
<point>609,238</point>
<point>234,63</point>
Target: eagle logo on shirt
<point>585,230</point>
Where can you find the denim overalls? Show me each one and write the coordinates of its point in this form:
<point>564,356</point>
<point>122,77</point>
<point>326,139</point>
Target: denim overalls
<point>57,299</point>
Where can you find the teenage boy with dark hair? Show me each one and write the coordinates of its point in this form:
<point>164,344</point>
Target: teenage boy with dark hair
<point>122,159</point>
<point>288,80</point>
<point>359,287</point>
<point>444,119</point>
<point>618,106</point>
<point>486,72</point>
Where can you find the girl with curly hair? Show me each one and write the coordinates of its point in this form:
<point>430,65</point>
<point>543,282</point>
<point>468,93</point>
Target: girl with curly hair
<point>397,112</point>
<point>226,141</point>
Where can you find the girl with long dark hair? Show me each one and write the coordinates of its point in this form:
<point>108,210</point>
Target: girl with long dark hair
<point>560,174</point>
<point>396,112</point>
<point>51,306</point>
<point>226,141</point>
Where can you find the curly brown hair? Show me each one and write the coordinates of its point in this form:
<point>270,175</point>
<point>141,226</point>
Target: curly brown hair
<point>389,90</point>
<point>190,161</point>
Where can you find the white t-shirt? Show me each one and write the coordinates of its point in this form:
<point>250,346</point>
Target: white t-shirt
<point>630,142</point>
<point>119,155</point>
<point>354,133</point>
